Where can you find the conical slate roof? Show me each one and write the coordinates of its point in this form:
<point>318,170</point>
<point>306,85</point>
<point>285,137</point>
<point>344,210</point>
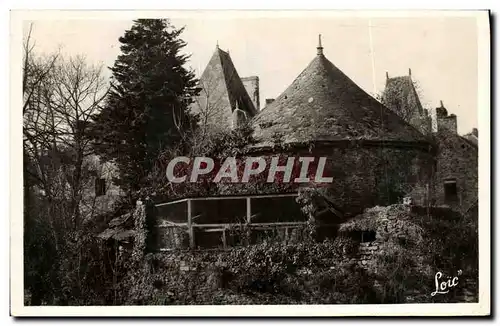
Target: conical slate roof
<point>222,90</point>
<point>323,104</point>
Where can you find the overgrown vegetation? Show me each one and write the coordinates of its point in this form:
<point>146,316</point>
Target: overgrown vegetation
<point>310,272</point>
<point>268,273</point>
<point>71,114</point>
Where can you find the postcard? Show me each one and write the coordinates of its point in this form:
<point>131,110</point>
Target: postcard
<point>204,163</point>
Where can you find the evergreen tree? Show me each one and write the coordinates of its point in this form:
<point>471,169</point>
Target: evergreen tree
<point>147,108</point>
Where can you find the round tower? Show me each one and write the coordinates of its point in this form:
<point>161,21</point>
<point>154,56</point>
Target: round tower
<point>373,155</point>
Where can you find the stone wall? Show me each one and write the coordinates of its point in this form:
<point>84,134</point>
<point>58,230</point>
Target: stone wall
<point>363,176</point>
<point>448,123</point>
<point>401,235</point>
<point>445,121</point>
<point>386,225</point>
<point>457,159</point>
<point>252,87</point>
<point>92,204</point>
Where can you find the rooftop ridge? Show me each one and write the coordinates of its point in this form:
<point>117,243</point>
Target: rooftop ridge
<point>324,104</point>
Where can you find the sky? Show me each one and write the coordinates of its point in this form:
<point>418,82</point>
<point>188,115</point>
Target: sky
<point>441,51</point>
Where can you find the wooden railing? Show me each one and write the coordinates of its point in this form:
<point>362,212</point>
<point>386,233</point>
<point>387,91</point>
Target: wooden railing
<point>190,224</point>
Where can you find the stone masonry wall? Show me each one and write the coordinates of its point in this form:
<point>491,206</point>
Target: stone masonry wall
<point>457,159</point>
<point>252,87</point>
<point>448,123</point>
<point>398,226</point>
<point>389,226</point>
<point>91,204</point>
<point>363,176</point>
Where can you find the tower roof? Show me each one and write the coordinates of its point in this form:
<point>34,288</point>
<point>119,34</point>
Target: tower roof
<point>323,104</point>
<point>222,88</point>
<point>400,92</point>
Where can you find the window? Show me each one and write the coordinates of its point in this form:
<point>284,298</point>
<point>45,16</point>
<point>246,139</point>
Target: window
<point>100,187</point>
<point>362,236</point>
<point>450,190</point>
<point>368,236</point>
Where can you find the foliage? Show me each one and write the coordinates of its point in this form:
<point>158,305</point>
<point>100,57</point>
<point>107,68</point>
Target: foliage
<point>268,273</point>
<point>141,232</point>
<point>146,111</point>
<point>216,144</point>
<point>414,246</point>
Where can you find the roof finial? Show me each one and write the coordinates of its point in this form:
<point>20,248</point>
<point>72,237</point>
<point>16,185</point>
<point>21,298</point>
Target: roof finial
<point>409,72</point>
<point>441,102</point>
<point>217,45</point>
<point>319,48</point>
<point>386,75</point>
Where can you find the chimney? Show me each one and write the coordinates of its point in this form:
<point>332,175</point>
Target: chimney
<point>409,72</point>
<point>252,87</point>
<point>269,101</point>
<point>474,132</point>
<point>445,121</point>
<point>441,110</point>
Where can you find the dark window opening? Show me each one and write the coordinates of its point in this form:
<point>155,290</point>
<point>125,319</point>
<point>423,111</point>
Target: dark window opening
<point>450,190</point>
<point>100,187</point>
<point>368,236</point>
<point>362,236</point>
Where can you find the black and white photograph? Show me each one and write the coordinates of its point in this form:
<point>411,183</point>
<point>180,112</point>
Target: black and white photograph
<point>321,163</point>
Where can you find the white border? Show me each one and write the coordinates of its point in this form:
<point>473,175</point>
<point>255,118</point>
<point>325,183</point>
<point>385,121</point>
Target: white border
<point>16,225</point>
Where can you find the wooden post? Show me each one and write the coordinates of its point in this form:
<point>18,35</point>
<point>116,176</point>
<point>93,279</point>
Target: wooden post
<point>249,219</point>
<point>224,243</point>
<point>190,224</point>
<point>249,210</point>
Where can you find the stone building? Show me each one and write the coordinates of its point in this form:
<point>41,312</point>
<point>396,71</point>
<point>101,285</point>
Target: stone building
<point>473,136</point>
<point>377,154</point>
<point>100,193</point>
<point>408,153</point>
<point>455,177</point>
<point>376,158</point>
<point>444,120</point>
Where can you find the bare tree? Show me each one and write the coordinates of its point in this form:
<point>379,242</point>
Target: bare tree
<point>60,96</point>
<point>35,72</point>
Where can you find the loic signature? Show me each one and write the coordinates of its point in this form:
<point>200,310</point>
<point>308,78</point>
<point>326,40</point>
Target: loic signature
<point>444,286</point>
